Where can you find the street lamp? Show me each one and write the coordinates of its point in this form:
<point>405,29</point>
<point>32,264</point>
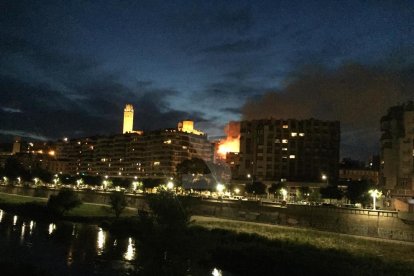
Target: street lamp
<point>19,179</point>
<point>170,185</point>
<point>237,191</point>
<point>220,188</point>
<point>375,194</point>
<point>36,180</point>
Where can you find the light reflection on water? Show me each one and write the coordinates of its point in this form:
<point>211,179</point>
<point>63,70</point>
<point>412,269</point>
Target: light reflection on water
<point>216,272</point>
<point>22,233</point>
<point>100,243</point>
<point>31,227</point>
<point>67,248</point>
<point>52,228</point>
<point>130,252</point>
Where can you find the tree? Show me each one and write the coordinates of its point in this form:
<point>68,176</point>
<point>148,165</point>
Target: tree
<point>257,187</point>
<point>169,211</point>
<point>118,202</point>
<point>275,187</point>
<point>195,165</point>
<point>331,192</point>
<point>357,191</point>
<point>13,169</point>
<point>150,183</point>
<point>63,202</point>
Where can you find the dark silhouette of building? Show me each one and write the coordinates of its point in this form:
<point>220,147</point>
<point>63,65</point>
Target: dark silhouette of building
<point>292,150</point>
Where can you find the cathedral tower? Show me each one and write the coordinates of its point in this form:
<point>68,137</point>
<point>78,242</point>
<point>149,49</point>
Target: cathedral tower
<point>128,118</point>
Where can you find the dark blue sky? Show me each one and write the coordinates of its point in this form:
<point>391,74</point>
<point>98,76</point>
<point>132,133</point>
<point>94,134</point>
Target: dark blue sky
<point>67,68</point>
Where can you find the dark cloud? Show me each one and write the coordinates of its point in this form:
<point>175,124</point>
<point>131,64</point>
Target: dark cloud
<point>45,113</point>
<point>232,110</point>
<point>356,95</point>
<point>239,46</point>
<point>223,17</point>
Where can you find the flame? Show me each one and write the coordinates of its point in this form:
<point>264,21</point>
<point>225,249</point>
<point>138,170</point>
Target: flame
<point>228,145</point>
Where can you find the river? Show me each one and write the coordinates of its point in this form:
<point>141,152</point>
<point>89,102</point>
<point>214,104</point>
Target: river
<point>66,248</point>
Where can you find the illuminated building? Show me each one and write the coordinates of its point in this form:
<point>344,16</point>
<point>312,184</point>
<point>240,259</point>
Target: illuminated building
<point>292,150</point>
<point>188,126</point>
<point>165,149</point>
<point>16,145</point>
<point>397,151</point>
<point>128,119</point>
<point>154,154</point>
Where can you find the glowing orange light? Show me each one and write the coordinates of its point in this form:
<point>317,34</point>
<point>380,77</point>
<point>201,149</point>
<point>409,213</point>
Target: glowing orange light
<point>52,153</point>
<point>228,145</point>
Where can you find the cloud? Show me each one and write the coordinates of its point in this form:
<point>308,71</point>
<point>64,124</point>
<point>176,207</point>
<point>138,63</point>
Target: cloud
<point>239,46</point>
<point>11,110</point>
<point>354,94</point>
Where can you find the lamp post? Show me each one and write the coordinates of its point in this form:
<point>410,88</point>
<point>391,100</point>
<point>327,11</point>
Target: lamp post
<point>375,194</point>
<point>170,185</point>
<point>220,188</point>
<point>324,177</point>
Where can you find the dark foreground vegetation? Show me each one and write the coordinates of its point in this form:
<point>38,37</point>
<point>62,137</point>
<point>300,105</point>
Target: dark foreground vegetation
<point>170,243</point>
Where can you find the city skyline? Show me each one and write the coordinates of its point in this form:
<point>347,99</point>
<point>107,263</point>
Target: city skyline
<point>68,69</point>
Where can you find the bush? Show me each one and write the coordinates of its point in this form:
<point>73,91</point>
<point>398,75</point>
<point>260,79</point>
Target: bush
<point>63,202</point>
<point>169,211</point>
<point>118,202</point>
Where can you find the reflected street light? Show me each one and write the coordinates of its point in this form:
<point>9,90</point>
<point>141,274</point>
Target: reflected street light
<point>283,191</point>
<point>375,194</point>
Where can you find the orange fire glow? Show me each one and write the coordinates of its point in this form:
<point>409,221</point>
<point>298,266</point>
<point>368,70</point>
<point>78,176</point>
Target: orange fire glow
<point>228,145</point>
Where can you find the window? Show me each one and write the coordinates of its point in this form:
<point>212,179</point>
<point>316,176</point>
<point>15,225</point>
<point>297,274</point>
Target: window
<point>285,126</point>
<point>292,156</point>
<point>293,134</point>
<point>284,141</point>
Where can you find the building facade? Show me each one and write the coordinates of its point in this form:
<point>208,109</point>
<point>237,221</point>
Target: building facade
<point>397,150</point>
<point>153,154</point>
<point>289,150</point>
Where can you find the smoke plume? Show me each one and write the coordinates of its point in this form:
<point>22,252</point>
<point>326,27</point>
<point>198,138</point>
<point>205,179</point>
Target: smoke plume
<point>356,95</point>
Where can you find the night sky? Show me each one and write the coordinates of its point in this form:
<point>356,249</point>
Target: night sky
<point>67,68</point>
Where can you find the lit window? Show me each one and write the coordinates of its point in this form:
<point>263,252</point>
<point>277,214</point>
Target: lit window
<point>284,141</point>
<point>285,126</point>
<point>156,163</point>
<point>293,134</point>
<point>292,156</point>
<point>167,142</point>
<point>301,134</point>
<point>184,147</point>
<point>284,148</point>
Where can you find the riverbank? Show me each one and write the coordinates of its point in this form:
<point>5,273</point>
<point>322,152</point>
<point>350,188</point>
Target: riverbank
<point>35,207</point>
<point>246,248</point>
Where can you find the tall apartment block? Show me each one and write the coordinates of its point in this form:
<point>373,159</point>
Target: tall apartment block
<point>291,150</point>
<point>152,154</point>
<point>397,150</point>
